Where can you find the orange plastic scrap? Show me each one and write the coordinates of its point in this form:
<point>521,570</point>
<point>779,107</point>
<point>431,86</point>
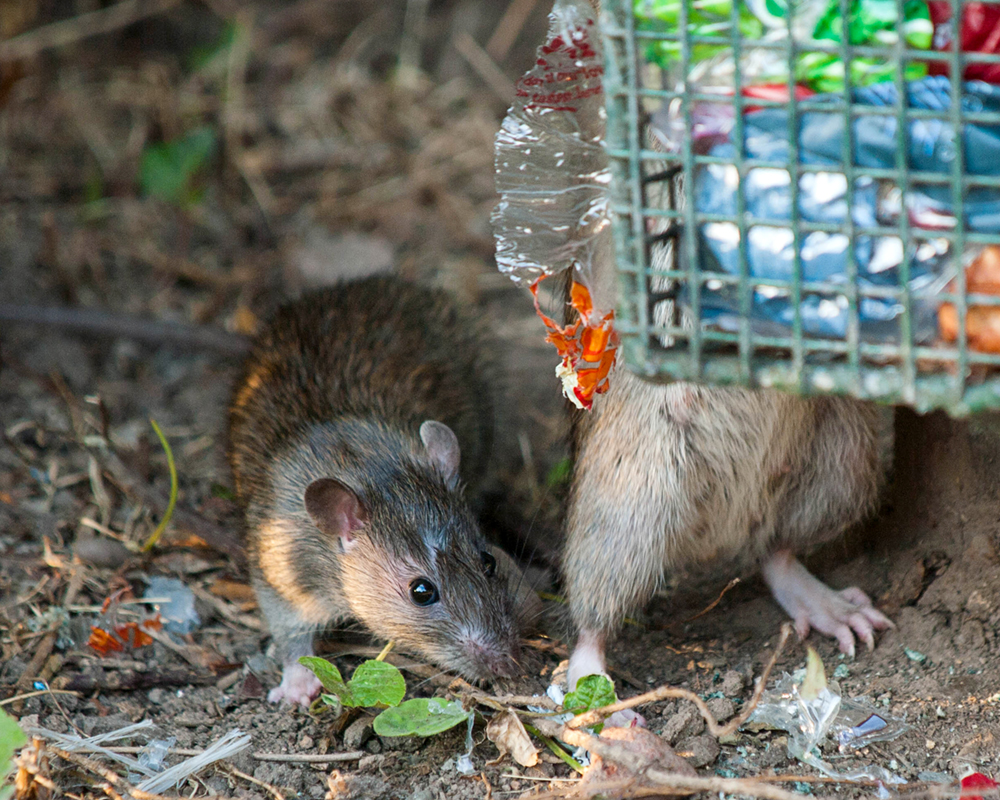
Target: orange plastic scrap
<point>588,347</point>
<point>130,635</point>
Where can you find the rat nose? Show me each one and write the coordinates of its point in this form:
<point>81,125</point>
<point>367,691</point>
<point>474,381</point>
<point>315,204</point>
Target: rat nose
<point>494,660</point>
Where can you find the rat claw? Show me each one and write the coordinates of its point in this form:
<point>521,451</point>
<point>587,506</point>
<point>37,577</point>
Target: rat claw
<point>853,595</point>
<point>802,625</point>
<point>845,639</point>
<point>863,628</point>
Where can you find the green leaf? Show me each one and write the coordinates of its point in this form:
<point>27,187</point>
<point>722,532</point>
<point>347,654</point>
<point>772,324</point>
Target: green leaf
<point>560,473</point>
<point>329,676</point>
<point>202,56</point>
<point>593,691</point>
<point>11,738</point>
<point>376,683</point>
<point>169,170</point>
<point>422,716</point>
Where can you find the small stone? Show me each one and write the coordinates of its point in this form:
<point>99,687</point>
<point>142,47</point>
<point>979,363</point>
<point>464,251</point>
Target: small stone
<point>306,742</point>
<point>373,746</point>
<point>158,696</point>
<point>357,733</point>
<point>684,723</point>
<point>930,744</point>
<point>422,794</point>
<point>732,684</point>
<point>722,708</point>
<point>699,751</point>
<point>775,754</point>
<point>370,763</point>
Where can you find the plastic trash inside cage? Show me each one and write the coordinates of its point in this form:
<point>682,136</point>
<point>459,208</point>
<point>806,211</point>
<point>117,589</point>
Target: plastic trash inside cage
<point>807,203</point>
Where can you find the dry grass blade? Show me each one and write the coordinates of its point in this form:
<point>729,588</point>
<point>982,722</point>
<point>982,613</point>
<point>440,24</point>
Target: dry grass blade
<point>64,32</point>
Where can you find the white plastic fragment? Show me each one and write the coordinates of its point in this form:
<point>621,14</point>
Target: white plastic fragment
<point>229,745</point>
<point>464,762</point>
<point>178,612</point>
<point>153,756</point>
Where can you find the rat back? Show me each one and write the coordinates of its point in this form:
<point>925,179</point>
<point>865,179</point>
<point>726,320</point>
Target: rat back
<point>377,348</point>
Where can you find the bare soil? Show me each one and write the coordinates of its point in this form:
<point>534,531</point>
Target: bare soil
<point>330,161</point>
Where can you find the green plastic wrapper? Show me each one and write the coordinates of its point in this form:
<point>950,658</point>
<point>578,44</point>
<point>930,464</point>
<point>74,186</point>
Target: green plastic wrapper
<point>872,23</point>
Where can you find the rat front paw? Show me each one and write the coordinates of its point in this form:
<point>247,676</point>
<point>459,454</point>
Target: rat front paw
<point>298,685</point>
<point>812,604</point>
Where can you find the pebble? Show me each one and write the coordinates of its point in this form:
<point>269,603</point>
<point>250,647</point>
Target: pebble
<point>357,733</point>
<point>732,684</point>
<point>699,751</point>
<point>722,708</point>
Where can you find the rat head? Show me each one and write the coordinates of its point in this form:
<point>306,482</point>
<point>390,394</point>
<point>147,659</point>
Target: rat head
<point>414,566</point>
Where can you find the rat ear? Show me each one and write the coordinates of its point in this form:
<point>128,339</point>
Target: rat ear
<point>442,447</point>
<point>335,509</point>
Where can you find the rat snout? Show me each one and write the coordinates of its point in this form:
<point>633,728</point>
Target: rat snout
<point>493,659</point>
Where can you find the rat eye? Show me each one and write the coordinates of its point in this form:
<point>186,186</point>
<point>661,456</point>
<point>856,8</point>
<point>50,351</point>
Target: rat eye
<point>489,563</point>
<point>423,592</point>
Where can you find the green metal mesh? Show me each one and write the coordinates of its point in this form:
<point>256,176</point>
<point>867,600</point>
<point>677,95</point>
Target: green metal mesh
<point>653,211</point>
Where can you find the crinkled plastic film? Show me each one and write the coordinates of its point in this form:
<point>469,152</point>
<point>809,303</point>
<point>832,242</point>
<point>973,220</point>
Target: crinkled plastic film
<point>851,722</point>
<point>551,167</point>
<point>552,175</point>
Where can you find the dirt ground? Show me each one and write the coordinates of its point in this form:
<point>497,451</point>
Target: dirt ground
<point>336,152</point>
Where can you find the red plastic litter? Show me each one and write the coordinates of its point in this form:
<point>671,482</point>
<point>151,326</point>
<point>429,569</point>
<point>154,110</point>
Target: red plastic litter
<point>977,780</point>
<point>980,33</point>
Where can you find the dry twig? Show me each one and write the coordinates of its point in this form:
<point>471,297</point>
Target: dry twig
<point>68,31</point>
<point>310,758</point>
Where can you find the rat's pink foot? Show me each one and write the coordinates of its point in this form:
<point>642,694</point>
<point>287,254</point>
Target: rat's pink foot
<point>626,718</point>
<point>812,604</point>
<point>298,685</point>
<point>587,658</point>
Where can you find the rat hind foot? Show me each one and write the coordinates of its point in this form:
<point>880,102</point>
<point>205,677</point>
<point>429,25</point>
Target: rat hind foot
<point>811,603</point>
<point>298,685</point>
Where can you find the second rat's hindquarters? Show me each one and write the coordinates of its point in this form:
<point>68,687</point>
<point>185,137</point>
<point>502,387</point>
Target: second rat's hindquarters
<point>680,480</point>
<point>360,412</point>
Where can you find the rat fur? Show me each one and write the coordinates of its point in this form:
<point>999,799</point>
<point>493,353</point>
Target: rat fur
<point>675,481</point>
<point>344,434</point>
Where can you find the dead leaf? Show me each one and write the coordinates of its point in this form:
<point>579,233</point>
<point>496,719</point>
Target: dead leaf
<point>815,680</point>
<point>642,742</point>
<point>507,732</point>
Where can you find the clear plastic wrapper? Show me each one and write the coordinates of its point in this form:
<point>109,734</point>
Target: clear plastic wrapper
<point>177,612</point>
<point>811,719</point>
<point>552,175</point>
<point>551,168</point>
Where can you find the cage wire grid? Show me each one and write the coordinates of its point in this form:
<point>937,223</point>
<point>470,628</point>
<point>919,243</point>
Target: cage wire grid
<point>654,213</point>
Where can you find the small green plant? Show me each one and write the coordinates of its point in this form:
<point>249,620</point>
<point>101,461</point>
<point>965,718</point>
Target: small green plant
<point>11,738</point>
<point>171,170</point>
<point>592,691</point>
<point>376,684</point>
<point>560,473</point>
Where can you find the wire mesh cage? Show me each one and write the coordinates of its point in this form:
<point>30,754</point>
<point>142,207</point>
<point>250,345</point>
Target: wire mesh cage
<point>806,195</point>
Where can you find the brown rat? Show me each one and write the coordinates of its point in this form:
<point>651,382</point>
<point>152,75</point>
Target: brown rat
<point>672,481</point>
<point>345,435</point>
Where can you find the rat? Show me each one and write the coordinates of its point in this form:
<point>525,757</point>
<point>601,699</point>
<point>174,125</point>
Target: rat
<point>679,481</point>
<point>356,406</point>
